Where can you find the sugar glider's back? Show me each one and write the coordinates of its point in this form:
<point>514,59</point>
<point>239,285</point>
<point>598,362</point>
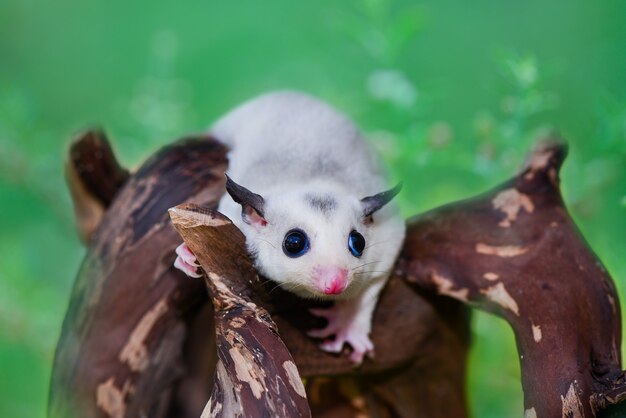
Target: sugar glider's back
<point>287,138</point>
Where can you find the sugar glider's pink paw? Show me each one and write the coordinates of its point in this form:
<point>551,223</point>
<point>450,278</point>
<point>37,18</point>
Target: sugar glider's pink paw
<point>186,261</point>
<point>347,327</point>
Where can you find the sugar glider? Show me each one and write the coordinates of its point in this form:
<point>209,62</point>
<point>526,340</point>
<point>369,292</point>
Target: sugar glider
<point>310,199</point>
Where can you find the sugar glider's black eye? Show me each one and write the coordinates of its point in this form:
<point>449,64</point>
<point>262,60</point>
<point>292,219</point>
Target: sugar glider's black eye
<point>356,243</point>
<point>296,243</point>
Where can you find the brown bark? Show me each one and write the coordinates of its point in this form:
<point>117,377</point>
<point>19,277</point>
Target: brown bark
<point>139,340</point>
<point>515,252</point>
<point>94,177</point>
<point>255,374</point>
<point>125,347</point>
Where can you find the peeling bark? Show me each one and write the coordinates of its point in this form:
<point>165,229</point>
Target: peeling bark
<point>130,314</point>
<point>251,355</point>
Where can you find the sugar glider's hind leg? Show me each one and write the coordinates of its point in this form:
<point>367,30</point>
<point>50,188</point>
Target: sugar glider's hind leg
<point>186,261</point>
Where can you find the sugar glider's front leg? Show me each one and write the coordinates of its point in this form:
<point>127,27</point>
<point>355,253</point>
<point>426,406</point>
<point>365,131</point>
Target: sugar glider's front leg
<point>186,261</point>
<point>350,321</point>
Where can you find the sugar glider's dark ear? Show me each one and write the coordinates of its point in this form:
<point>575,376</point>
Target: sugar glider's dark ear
<point>371,204</point>
<point>251,203</point>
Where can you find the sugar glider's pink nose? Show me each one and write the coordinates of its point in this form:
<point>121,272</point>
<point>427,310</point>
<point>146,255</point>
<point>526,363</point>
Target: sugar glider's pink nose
<point>331,280</point>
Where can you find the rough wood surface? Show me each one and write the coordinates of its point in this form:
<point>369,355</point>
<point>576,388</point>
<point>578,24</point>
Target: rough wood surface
<point>125,347</point>
<point>256,376</point>
<point>94,177</point>
<point>138,339</point>
<point>515,252</point>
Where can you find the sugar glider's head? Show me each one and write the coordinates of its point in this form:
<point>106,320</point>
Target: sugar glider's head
<point>320,241</point>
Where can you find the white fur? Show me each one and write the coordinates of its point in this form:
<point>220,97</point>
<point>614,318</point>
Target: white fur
<point>286,145</point>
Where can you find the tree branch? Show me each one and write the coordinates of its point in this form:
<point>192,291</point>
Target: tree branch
<point>256,375</point>
<point>515,251</point>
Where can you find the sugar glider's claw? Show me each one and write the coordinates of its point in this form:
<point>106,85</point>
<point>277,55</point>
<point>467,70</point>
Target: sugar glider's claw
<point>347,328</point>
<point>186,261</point>
<point>185,253</point>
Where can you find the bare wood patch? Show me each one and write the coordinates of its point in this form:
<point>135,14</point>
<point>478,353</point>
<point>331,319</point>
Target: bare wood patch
<point>135,352</point>
<point>538,161</point>
<point>511,201</point>
<point>212,409</point>
<point>247,370</point>
<point>537,334</point>
<point>294,378</point>
<point>200,218</point>
<point>504,251</point>
<point>499,295</point>
<point>445,286</point>
<point>572,407</point>
<point>111,399</point>
<point>237,322</point>
<point>530,413</point>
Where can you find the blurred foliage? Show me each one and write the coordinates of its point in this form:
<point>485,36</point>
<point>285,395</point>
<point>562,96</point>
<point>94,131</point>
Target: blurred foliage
<point>453,95</point>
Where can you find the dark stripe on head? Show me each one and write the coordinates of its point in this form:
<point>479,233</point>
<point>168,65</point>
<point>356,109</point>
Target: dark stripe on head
<point>323,203</point>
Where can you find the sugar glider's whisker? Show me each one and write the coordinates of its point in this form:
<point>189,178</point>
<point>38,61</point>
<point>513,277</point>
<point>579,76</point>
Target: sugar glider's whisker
<point>365,264</point>
<point>264,240</point>
<point>377,243</point>
<point>371,271</point>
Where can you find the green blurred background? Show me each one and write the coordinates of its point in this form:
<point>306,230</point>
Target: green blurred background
<point>451,94</point>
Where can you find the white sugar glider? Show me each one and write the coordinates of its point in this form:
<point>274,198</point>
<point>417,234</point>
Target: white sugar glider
<point>312,208</point>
